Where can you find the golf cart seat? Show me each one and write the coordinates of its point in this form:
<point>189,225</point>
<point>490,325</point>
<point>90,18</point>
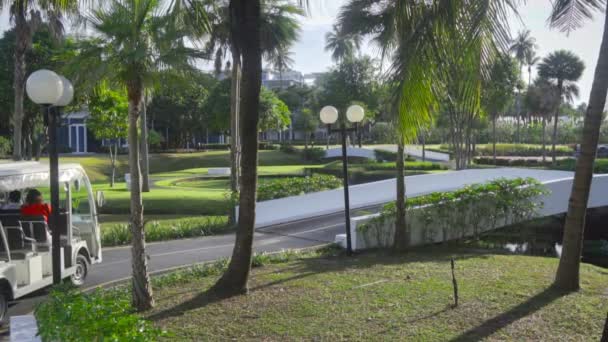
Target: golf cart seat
<point>36,228</point>
<point>19,245</point>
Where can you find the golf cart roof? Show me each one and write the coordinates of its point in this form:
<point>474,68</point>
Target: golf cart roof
<point>22,175</point>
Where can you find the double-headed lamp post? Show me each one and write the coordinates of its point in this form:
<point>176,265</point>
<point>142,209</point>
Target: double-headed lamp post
<point>51,91</point>
<point>329,116</point>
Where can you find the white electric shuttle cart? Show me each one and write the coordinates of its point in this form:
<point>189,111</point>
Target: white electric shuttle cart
<point>25,242</point>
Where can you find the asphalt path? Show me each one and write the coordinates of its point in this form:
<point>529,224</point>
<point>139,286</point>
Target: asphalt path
<point>169,255</point>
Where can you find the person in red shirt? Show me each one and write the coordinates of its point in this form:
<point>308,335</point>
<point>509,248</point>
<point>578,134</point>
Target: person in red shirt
<point>35,206</point>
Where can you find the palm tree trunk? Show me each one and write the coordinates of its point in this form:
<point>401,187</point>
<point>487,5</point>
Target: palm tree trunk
<point>145,157</point>
<point>235,147</point>
<point>113,162</point>
<point>246,17</point>
<point>142,288</point>
<point>402,234</point>
<point>544,139</point>
<point>494,117</point>
<point>423,146</point>
<point>22,32</point>
<point>567,277</point>
<point>556,121</point>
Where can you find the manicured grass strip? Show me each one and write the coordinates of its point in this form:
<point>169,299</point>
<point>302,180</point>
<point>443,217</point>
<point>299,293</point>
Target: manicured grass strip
<point>168,201</point>
<point>119,234</point>
<point>99,170</point>
<point>399,298</point>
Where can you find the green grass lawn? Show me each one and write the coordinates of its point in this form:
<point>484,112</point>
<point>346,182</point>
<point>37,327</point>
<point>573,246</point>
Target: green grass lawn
<point>373,297</point>
<point>166,164</point>
<point>211,200</point>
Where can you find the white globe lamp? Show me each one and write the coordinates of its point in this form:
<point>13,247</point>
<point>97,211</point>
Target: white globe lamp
<point>329,115</point>
<point>355,113</point>
<point>68,93</point>
<point>44,87</point>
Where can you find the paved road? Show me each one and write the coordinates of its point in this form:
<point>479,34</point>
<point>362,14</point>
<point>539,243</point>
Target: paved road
<point>116,265</point>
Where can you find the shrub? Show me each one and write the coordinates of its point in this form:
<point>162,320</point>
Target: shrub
<point>601,165</point>
<point>155,139</point>
<point>409,165</point>
<point>314,154</point>
<point>512,200</point>
<point>120,234</point>
<point>6,146</point>
<point>215,146</point>
<point>293,186</point>
<point>522,150</point>
<point>269,146</point>
<point>288,149</point>
<point>70,315</point>
<point>383,155</point>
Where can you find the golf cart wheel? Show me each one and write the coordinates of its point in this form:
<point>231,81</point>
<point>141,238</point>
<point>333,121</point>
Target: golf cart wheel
<point>82,269</point>
<point>3,307</point>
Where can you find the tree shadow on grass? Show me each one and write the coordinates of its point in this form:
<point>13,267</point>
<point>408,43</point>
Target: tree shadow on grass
<point>498,322</point>
<point>307,267</point>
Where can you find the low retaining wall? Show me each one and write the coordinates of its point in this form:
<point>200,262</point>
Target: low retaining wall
<point>555,202</point>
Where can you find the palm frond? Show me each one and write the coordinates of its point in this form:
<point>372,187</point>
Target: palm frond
<point>568,15</point>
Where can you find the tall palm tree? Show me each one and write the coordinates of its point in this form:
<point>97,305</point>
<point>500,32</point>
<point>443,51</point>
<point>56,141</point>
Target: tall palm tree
<point>417,37</point>
<point>569,15</point>
<point>246,39</point>
<point>531,60</point>
<point>133,40</point>
<point>279,30</point>
<point>541,100</point>
<point>561,67</point>
<point>27,16</point>
<point>281,60</point>
<point>341,45</point>
<point>522,46</point>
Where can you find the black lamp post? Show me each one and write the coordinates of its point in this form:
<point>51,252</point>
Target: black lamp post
<point>354,114</point>
<point>51,91</point>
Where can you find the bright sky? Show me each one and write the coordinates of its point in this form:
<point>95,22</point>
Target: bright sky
<point>310,56</point>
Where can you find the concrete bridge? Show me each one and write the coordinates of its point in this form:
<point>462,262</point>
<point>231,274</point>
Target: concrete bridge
<point>369,195</point>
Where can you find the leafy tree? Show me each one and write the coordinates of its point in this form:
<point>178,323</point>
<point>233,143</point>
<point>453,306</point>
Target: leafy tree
<point>273,113</point>
<point>563,68</point>
<point>28,16</point>
<point>133,40</point>
<point>497,93</point>
<point>109,120</point>
<point>39,56</point>
<point>178,104</point>
<point>308,123</point>
<point>352,81</point>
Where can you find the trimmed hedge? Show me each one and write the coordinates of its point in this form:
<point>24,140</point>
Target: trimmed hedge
<point>520,150</point>
<point>486,203</point>
<point>601,165</point>
<point>269,189</point>
<point>120,234</point>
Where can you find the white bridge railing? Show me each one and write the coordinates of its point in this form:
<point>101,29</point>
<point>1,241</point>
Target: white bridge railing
<point>316,204</point>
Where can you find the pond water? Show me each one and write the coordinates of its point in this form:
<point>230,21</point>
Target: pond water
<point>544,237</point>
